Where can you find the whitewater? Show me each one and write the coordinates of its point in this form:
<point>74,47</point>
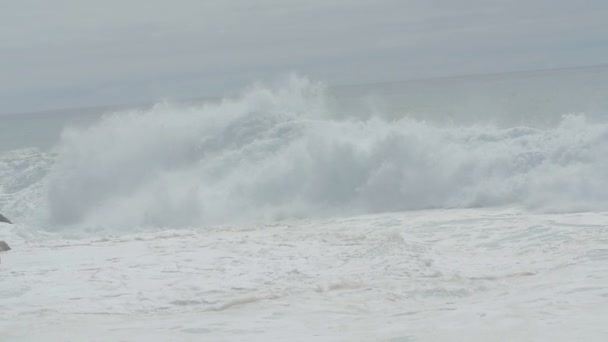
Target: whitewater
<point>453,209</point>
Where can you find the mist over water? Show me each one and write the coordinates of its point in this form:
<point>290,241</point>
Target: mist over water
<point>292,150</point>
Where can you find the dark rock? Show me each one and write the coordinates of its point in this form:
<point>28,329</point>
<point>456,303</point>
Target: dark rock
<point>4,219</point>
<point>4,246</point>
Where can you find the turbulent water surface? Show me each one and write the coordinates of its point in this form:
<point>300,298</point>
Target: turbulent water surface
<point>435,210</point>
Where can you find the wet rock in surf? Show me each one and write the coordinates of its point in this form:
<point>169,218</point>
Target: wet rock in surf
<point>4,246</point>
<point>4,219</point>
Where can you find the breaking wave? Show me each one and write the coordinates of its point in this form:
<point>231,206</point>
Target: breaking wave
<point>280,152</point>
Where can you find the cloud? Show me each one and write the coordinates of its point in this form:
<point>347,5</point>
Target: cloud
<point>72,53</point>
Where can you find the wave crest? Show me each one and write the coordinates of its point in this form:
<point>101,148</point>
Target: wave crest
<point>279,152</point>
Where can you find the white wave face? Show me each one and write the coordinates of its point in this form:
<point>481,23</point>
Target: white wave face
<point>281,152</point>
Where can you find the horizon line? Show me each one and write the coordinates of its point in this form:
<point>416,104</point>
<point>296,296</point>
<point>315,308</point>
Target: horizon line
<point>133,105</point>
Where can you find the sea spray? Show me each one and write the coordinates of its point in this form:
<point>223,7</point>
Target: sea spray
<point>277,152</point>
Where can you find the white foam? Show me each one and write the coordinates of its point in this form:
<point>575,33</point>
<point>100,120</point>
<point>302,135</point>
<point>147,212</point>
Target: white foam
<point>439,275</point>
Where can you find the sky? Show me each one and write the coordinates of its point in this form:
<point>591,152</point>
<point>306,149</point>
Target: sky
<point>72,53</point>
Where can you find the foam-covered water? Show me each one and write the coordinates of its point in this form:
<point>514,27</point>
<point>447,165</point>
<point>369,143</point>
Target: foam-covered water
<point>283,151</point>
<point>438,275</point>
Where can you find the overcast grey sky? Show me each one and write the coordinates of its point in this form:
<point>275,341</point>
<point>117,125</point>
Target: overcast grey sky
<point>69,53</point>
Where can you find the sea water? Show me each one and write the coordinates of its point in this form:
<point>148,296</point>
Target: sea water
<point>468,208</point>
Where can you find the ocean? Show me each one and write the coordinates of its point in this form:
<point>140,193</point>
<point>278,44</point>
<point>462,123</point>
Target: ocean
<point>465,208</point>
